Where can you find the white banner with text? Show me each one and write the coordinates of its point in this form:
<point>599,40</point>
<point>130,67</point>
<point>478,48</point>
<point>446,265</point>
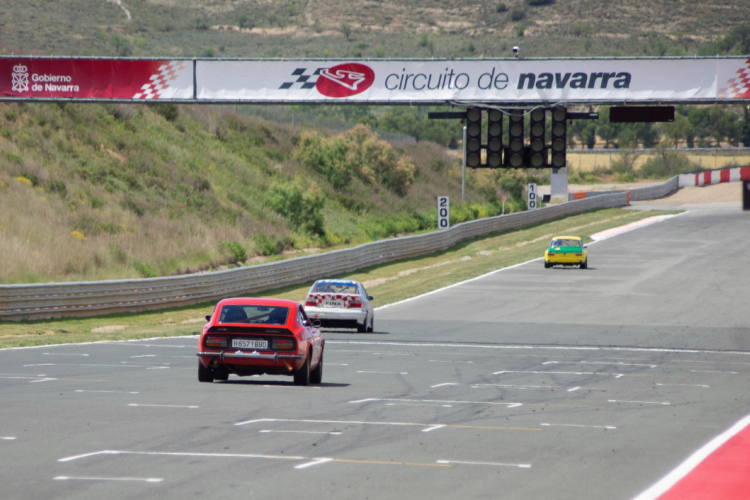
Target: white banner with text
<point>553,80</point>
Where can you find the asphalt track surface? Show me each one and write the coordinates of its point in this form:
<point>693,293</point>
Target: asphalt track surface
<point>525,384</point>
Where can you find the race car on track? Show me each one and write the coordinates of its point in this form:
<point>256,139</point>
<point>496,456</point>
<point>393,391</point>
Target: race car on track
<point>248,336</point>
<point>340,304</point>
<point>566,251</point>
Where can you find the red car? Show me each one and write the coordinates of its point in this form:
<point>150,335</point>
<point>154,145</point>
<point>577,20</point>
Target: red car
<point>247,336</point>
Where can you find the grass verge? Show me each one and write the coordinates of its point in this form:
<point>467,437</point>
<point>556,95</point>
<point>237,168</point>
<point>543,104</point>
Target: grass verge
<point>388,283</point>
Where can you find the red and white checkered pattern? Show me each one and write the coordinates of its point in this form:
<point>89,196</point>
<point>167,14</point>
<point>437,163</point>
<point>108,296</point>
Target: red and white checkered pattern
<point>739,86</point>
<point>714,177</point>
<point>160,81</point>
<point>320,297</point>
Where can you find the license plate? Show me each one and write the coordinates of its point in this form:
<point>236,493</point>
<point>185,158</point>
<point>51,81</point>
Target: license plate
<point>333,303</point>
<point>250,344</point>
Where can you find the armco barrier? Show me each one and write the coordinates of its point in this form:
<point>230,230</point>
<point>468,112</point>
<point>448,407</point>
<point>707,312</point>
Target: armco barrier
<point>39,301</point>
<point>637,194</point>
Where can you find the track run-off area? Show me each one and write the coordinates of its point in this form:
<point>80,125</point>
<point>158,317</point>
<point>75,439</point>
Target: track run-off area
<point>626,380</point>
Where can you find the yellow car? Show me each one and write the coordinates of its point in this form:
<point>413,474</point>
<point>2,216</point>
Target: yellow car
<point>566,251</point>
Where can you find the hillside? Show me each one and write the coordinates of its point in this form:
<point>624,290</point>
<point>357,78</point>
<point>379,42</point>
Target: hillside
<point>368,28</point>
<point>93,192</point>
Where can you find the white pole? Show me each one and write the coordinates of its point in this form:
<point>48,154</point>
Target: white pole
<point>463,168</point>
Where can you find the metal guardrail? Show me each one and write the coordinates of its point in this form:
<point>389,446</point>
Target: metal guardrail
<point>639,194</point>
<point>37,301</point>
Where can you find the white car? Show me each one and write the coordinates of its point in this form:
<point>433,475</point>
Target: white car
<point>340,304</point>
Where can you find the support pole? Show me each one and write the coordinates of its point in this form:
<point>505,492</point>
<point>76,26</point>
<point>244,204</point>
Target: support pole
<point>463,168</point>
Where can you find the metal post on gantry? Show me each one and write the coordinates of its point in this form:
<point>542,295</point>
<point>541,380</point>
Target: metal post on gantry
<point>463,167</point>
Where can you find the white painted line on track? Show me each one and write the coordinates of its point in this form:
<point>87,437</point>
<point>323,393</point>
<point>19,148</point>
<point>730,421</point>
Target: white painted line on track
<point>600,363</point>
<point>446,361</point>
<point>521,387</point>
<point>515,405</point>
<point>639,402</point>
<point>712,371</point>
<point>391,354</point>
<point>384,373</point>
<point>19,377</point>
<point>540,348</point>
<point>607,427</point>
<point>333,433</point>
<point>114,392</point>
<point>42,380</point>
<point>337,364</point>
<point>316,461</point>
<point>8,438</point>
<point>418,404</point>
<point>178,454</point>
<point>24,375</point>
<point>444,384</point>
<point>61,354</point>
<point>162,406</point>
<point>520,466</point>
<point>144,479</point>
<point>359,422</point>
<point>86,364</point>
<point>434,427</point>
<point>556,373</point>
<point>573,389</point>
<point>512,404</point>
<point>686,385</point>
<point>682,470</point>
<point>145,356</point>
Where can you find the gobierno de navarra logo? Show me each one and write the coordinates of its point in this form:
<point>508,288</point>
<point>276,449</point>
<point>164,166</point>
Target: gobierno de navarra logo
<point>345,80</point>
<point>20,78</point>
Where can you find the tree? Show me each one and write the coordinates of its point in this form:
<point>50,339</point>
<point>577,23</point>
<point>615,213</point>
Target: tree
<point>121,44</point>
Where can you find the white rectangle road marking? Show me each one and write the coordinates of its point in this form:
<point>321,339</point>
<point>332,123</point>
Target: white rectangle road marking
<point>316,461</point>
<point>512,404</point>
<point>114,392</point>
<point>446,383</point>
<point>162,406</point>
<point>607,427</point>
<point>686,385</point>
<point>638,402</point>
<point>62,354</point>
<point>333,433</point>
<point>8,438</point>
<point>556,373</point>
<point>144,479</point>
<point>520,466</point>
<point>179,454</point>
<point>434,427</point>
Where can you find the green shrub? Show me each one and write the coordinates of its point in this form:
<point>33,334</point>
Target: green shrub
<point>301,209</point>
<point>145,270</point>
<point>33,178</point>
<point>12,157</point>
<point>667,164</point>
<point>168,111</point>
<point>96,202</point>
<point>501,7</point>
<point>235,250</point>
<point>265,245</point>
<point>517,14</point>
<point>357,152</point>
<point>539,3</point>
<point>58,187</point>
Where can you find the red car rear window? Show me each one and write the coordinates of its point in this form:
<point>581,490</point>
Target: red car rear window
<point>253,314</point>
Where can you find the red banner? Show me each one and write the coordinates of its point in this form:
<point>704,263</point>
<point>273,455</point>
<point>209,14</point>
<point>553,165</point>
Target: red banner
<point>95,78</point>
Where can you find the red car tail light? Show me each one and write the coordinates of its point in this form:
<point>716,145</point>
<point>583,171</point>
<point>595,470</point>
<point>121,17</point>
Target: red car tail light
<point>579,255</point>
<point>216,342</point>
<point>550,253</point>
<point>282,344</point>
<point>310,302</point>
<point>355,304</point>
